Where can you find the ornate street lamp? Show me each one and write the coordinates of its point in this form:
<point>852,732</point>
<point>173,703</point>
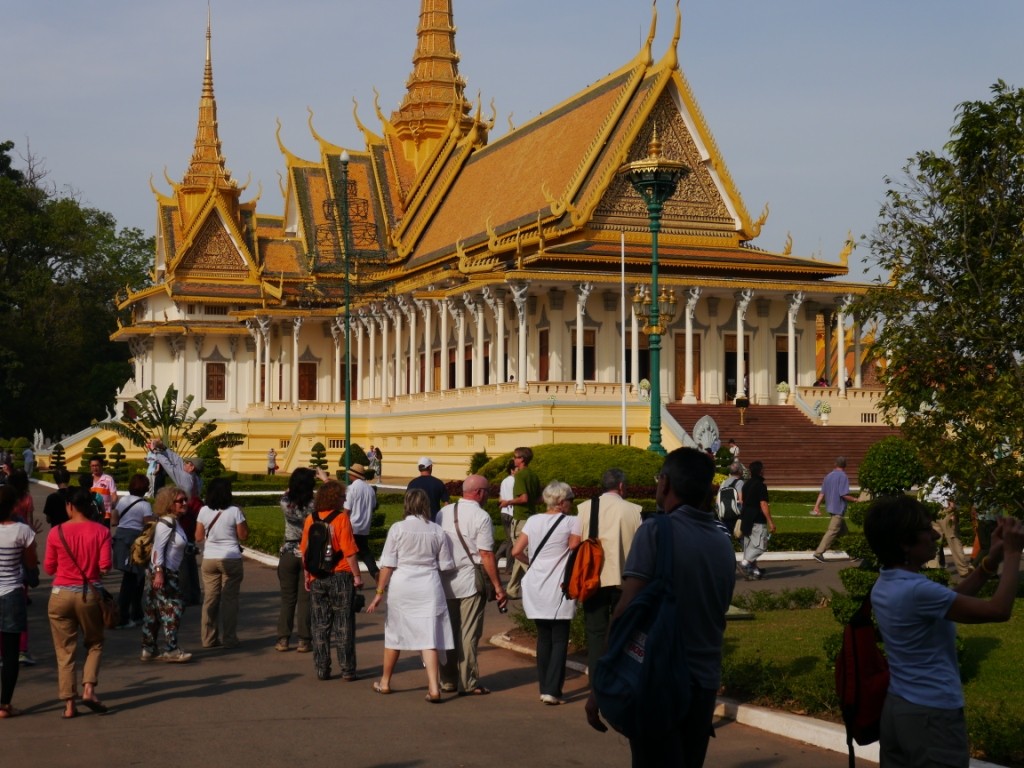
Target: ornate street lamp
<point>346,246</point>
<point>655,178</point>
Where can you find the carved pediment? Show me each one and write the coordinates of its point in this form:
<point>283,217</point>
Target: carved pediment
<point>214,252</point>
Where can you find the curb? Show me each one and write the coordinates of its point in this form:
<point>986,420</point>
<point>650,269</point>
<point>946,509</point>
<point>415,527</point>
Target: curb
<point>808,730</point>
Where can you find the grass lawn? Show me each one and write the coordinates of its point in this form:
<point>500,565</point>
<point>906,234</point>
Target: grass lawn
<point>777,660</point>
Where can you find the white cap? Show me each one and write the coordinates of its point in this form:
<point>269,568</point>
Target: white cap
<point>424,462</point>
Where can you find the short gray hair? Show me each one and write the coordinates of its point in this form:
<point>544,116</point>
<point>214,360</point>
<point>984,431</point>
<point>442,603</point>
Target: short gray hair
<point>613,478</point>
<point>735,469</point>
<point>555,493</point>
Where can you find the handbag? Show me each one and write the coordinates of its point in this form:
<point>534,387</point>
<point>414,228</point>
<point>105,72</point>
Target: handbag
<point>108,605</point>
<point>483,583</point>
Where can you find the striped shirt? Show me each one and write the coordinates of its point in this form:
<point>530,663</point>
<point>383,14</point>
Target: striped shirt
<point>14,539</point>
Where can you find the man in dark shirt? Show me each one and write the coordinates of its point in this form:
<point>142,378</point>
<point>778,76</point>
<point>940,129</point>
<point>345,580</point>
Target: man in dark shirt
<point>426,482</point>
<point>55,506</point>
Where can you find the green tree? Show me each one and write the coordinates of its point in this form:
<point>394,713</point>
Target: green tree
<point>148,416</point>
<point>951,237</point>
<point>891,466</point>
<point>61,266</point>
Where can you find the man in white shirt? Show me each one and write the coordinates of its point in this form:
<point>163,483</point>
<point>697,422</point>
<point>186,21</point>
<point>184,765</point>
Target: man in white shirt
<point>360,502</point>
<point>471,537</point>
<point>617,524</point>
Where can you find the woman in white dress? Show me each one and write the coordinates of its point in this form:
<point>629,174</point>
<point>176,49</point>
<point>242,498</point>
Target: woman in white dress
<point>415,553</point>
<point>549,538</point>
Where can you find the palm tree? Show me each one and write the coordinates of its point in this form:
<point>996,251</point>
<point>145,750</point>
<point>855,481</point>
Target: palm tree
<point>148,416</point>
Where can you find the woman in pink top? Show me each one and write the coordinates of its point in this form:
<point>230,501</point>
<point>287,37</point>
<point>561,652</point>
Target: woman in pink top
<point>77,554</point>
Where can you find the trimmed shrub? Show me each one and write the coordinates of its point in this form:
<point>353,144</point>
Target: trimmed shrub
<point>581,465</point>
<point>477,461</point>
<point>318,456</point>
<point>57,459</point>
<point>890,467</point>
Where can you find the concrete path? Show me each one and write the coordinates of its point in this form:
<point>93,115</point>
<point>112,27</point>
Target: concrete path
<point>253,705</point>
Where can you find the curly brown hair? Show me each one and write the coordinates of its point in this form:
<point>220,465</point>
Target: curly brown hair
<point>330,496</point>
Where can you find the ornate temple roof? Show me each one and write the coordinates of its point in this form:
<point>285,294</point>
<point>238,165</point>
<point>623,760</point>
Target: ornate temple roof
<point>433,202</point>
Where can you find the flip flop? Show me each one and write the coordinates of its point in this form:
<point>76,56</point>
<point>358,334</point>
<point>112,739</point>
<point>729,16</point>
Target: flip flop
<point>381,689</point>
<point>65,715</point>
<point>96,706</point>
<point>478,691</point>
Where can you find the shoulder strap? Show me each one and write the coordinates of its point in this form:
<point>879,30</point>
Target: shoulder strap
<point>129,507</point>
<point>546,537</point>
<point>60,532</point>
<point>595,504</point>
<point>459,533</point>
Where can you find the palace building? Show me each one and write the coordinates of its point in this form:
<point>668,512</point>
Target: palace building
<point>489,279</point>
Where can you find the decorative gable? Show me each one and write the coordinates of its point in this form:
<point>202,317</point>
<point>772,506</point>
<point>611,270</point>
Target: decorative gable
<point>213,253</point>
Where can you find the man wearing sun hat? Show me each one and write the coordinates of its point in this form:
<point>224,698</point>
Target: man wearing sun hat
<point>435,489</point>
<point>360,502</point>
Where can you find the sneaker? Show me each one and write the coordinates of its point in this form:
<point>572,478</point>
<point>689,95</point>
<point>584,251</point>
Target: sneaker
<point>756,573</point>
<point>323,674</point>
<point>304,647</point>
<point>547,698</point>
<point>147,655</point>
<point>819,558</point>
<point>177,656</point>
<point>282,645</point>
<point>26,658</point>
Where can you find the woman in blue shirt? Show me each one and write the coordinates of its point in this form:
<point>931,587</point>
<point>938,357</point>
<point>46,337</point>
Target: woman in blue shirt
<point>923,719</point>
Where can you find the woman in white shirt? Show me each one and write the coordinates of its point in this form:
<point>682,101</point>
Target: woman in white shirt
<point>17,551</point>
<point>549,537</point>
<point>222,527</point>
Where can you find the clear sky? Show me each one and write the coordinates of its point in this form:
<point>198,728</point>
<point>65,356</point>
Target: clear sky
<point>811,102</point>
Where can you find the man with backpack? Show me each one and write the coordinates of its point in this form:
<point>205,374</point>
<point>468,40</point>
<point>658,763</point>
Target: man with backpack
<point>703,579</point>
<point>617,524</point>
<point>730,498</point>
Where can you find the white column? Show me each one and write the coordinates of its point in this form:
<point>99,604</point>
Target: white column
<point>268,368</point>
<point>842,305</point>
<point>257,338</point>
<point>459,316</point>
<point>495,299</point>
<point>693,295</point>
<point>519,296</point>
<point>371,363</point>
<point>477,311</point>
<point>742,302</point>
<point>445,384</point>
<point>294,378</point>
<point>231,384</point>
<point>384,378</point>
<point>795,300</point>
<point>357,329</point>
<point>827,372</point>
<point>337,326</point>
<point>413,379</point>
<point>428,351</point>
<point>582,294</point>
<point>199,401</point>
<point>858,378</point>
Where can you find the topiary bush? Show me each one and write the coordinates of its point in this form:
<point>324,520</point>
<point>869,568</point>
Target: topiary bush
<point>318,456</point>
<point>93,450</point>
<point>57,460</point>
<point>582,464</point>
<point>478,460</point>
<point>118,468</point>
<point>890,467</point>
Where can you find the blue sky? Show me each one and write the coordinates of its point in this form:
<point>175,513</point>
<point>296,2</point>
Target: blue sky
<point>811,102</point>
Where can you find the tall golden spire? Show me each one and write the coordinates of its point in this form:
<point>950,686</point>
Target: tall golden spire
<point>207,168</point>
<point>435,92</point>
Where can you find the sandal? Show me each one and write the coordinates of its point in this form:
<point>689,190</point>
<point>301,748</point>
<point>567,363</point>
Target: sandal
<point>478,691</point>
<point>6,710</point>
<point>69,711</point>
<point>434,698</point>
<point>381,689</point>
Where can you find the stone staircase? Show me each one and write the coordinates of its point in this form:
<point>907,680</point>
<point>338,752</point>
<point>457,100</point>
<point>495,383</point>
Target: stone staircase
<point>797,453</point>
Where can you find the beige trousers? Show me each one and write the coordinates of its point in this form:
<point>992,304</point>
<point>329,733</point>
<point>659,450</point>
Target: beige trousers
<point>70,612</point>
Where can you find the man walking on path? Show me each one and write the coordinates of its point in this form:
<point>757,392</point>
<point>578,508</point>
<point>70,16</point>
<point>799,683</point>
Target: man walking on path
<point>704,570</point>
<point>471,536</point>
<point>360,503</point>
<point>617,524</point>
<point>526,488</point>
<point>835,491</point>
<point>434,488</point>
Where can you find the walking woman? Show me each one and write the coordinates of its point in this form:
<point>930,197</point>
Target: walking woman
<point>163,604</point>
<point>923,721</point>
<point>415,553</point>
<point>549,538</point>
<point>77,555</point>
<point>130,514</point>
<point>222,526</point>
<point>296,506</point>
<point>17,551</point>
<point>333,620</point>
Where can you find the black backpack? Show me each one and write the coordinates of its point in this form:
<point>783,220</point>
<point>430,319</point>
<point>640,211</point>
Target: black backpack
<point>728,502</point>
<point>319,557</point>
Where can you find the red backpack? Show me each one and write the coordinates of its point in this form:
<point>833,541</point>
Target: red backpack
<point>583,569</point>
<point>862,678</point>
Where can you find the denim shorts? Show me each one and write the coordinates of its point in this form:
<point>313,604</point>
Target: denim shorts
<point>13,613</point>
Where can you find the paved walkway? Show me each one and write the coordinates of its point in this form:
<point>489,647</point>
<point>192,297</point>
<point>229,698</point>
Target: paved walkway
<point>252,705</point>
